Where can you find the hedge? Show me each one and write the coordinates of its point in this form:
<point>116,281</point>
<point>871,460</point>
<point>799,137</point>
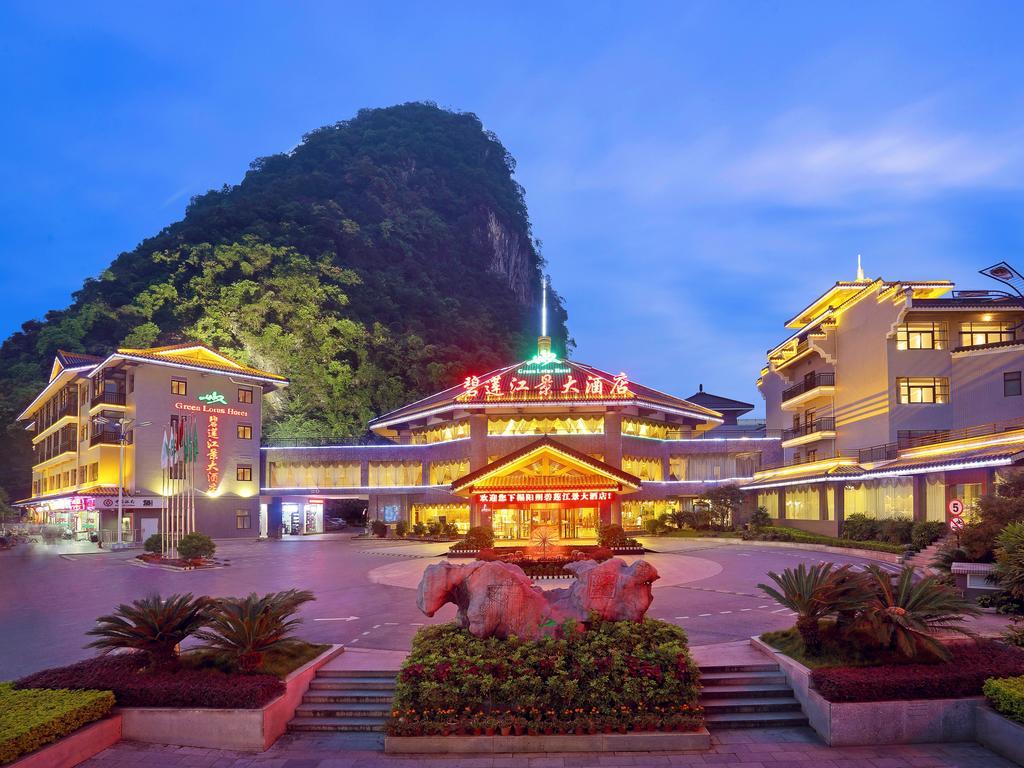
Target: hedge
<point>803,537</point>
<point>32,719</point>
<point>204,687</point>
<point>965,675</point>
<point>1007,696</point>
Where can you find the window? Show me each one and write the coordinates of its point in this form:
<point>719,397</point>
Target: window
<point>926,335</point>
<point>94,472</point>
<point>243,472</point>
<point>245,431</point>
<point>74,476</point>
<point>1011,384</point>
<point>131,383</point>
<point>975,334</point>
<point>179,387</point>
<point>242,519</point>
<point>923,390</point>
<point>244,395</point>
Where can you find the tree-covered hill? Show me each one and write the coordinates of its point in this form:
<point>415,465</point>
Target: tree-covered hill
<point>377,262</point>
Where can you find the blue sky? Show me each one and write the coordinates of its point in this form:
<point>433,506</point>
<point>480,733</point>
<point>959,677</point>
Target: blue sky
<point>696,171</point>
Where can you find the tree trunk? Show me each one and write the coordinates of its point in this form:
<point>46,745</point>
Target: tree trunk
<point>810,632</point>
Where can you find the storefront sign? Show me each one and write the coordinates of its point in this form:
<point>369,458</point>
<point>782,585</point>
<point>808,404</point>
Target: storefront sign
<point>130,502</point>
<point>211,398</point>
<point>549,382</point>
<point>213,453</point>
<point>193,408</point>
<point>497,498</point>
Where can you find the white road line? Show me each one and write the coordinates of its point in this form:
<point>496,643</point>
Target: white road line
<point>414,624</point>
<point>353,641</point>
<point>722,613</point>
<point>682,617</point>
<point>338,618</point>
<point>376,626</point>
<point>390,623</point>
<point>705,614</point>
<point>764,606</point>
<point>744,609</point>
<point>780,610</point>
<point>366,633</point>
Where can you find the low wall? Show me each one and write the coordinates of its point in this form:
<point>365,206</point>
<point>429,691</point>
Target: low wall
<point>645,741</point>
<point>247,730</point>
<point>820,527</point>
<point>76,748</point>
<point>1002,735</point>
<point>845,724</point>
<point>868,554</point>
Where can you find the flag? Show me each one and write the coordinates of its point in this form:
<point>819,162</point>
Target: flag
<point>164,463</point>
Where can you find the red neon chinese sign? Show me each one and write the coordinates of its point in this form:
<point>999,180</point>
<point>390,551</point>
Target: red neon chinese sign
<point>213,453</point>
<point>558,383</point>
<point>498,498</point>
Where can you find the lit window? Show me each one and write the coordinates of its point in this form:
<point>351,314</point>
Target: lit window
<point>976,334</point>
<point>243,472</point>
<point>245,431</point>
<point>242,519</point>
<point>179,387</point>
<point>916,391</point>
<point>921,336</point>
<point>1011,384</point>
<point>245,395</point>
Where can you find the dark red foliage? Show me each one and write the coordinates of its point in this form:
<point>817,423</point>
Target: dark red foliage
<point>963,676</point>
<point>122,674</point>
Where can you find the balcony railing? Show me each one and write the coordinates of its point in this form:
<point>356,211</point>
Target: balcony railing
<point>885,452</point>
<point>822,379</point>
<point>104,437</point>
<point>109,398</point>
<point>808,459</point>
<point>324,442</point>
<point>824,424</point>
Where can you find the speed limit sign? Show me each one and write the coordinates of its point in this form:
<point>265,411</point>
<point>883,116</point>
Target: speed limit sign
<point>956,507</point>
<point>956,524</point>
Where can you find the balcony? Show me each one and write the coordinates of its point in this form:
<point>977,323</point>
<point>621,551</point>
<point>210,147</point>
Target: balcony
<point>104,437</point>
<point>108,398</point>
<point>818,429</point>
<point>811,388</point>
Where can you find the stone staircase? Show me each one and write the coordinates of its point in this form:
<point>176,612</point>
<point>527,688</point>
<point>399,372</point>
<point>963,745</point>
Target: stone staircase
<point>345,700</point>
<point>752,695</point>
<point>922,560</point>
<point>734,696</point>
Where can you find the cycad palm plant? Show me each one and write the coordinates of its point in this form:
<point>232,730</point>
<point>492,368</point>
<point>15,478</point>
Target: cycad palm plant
<point>904,615</point>
<point>815,593</point>
<point>153,625</point>
<point>244,629</point>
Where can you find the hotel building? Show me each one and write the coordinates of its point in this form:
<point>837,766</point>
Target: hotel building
<point>545,444</point>
<point>92,404</point>
<point>892,398</point>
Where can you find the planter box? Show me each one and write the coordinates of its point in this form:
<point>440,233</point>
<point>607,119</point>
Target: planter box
<point>1000,734</point>
<point>75,748</point>
<point>247,730</point>
<point>846,724</point>
<point>645,741</point>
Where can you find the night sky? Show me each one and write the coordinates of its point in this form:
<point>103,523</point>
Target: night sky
<point>697,172</point>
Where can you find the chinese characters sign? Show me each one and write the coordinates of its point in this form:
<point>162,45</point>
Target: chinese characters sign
<point>497,498</point>
<point>550,383</point>
<point>213,452</point>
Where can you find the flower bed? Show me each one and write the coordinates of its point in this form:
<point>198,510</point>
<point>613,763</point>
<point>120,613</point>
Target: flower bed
<point>798,536</point>
<point>1006,695</point>
<point>203,687</point>
<point>615,677</point>
<point>31,719</point>
<point>964,676</point>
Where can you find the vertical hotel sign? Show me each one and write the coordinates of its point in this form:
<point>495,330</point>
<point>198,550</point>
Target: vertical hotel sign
<point>213,452</point>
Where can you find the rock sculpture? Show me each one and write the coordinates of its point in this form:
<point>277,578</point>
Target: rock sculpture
<point>496,599</point>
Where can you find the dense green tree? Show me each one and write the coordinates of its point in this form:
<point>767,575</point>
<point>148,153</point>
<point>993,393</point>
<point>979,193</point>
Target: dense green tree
<point>380,260</point>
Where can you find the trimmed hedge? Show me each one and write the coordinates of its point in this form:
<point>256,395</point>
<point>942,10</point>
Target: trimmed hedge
<point>803,537</point>
<point>965,675</point>
<point>32,719</point>
<point>1007,696</point>
<point>204,687</point>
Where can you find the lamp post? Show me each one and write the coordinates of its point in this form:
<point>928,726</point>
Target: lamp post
<point>124,426</point>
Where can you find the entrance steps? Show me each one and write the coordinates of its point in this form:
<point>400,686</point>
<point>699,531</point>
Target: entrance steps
<point>733,696</point>
<point>922,560</point>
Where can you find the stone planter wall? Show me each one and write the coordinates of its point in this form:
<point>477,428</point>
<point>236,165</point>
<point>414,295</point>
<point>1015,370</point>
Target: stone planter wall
<point>87,741</point>
<point>1000,734</point>
<point>248,730</point>
<point>646,741</point>
<point>843,724</point>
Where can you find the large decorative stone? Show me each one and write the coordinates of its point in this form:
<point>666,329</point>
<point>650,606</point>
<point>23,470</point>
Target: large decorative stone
<point>496,599</point>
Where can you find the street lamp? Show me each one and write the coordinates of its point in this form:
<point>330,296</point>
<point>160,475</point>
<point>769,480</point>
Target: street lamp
<point>124,426</point>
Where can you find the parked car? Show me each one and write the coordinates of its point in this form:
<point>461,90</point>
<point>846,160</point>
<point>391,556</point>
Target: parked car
<point>334,523</point>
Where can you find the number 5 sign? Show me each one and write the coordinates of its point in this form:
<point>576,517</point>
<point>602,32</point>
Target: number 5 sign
<point>955,507</point>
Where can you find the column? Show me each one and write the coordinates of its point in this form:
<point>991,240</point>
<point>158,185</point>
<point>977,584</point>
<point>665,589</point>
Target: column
<point>613,456</point>
<point>477,441</point>
<point>920,498</point>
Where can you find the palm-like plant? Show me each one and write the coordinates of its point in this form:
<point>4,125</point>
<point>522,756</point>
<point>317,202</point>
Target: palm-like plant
<point>244,629</point>
<point>815,593</point>
<point>904,615</point>
<point>153,625</point>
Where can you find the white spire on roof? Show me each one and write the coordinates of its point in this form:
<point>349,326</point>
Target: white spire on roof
<point>860,270</point>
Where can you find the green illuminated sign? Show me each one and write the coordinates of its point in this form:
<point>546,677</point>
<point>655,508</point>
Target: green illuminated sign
<point>212,397</point>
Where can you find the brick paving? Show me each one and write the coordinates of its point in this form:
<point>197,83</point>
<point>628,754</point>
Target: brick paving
<point>782,748</point>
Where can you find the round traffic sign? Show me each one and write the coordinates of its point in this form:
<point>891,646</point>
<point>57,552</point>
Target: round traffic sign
<point>956,507</point>
<point>956,524</point>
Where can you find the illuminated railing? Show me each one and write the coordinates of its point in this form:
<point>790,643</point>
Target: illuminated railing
<point>808,459</point>
<point>109,398</point>
<point>822,379</point>
<point>324,442</point>
<point>824,424</point>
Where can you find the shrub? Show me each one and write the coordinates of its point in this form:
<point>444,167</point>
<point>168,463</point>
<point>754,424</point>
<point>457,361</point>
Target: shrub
<point>133,687</point>
<point>195,546</point>
<point>1014,634</point>
<point>1009,569</point>
<point>154,544</point>
<point>611,536</point>
<point>759,518</point>
<point>479,537</point>
<point>245,628</point>
<point>31,719</point>
<point>895,530</point>
<point>487,555</point>
<point>965,676</point>
<point>401,528</point>
<point>151,625</point>
<point>616,673</point>
<point>925,532</point>
<point>434,528</point>
<point>654,526</point>
<point>1007,696</point>
<point>419,529</point>
<point>1003,602</point>
<point>601,554</point>
<point>379,529</point>
<point>858,527</point>
<point>803,537</point>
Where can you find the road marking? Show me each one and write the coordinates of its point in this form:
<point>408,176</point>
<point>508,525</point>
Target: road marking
<point>682,617</point>
<point>414,624</point>
<point>366,633</point>
<point>376,626</point>
<point>353,641</point>
<point>780,610</point>
<point>705,614</point>
<point>764,606</point>
<point>745,609</point>
<point>390,623</point>
<point>338,618</point>
<point>721,613</point>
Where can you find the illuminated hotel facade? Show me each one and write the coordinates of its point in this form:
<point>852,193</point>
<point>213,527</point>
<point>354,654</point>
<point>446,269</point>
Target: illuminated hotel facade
<point>78,419</point>
<point>892,399</point>
<point>544,445</point>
